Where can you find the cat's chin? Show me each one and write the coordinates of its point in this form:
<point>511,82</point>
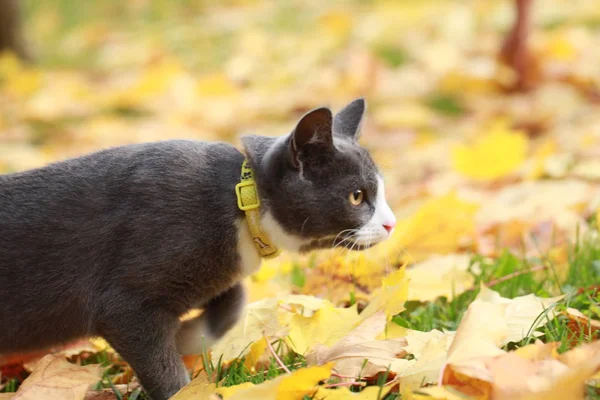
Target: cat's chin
<point>330,243</point>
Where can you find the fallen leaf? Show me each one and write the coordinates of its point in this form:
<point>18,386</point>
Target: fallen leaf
<point>442,225</point>
<point>326,326</point>
<point>259,319</point>
<point>295,386</point>
<point>359,353</point>
<point>343,393</point>
<point>521,313</point>
<point>439,276</point>
<point>581,326</point>
<point>55,378</point>
<point>429,350</point>
<point>390,297</point>
<point>199,388</point>
<point>496,154</point>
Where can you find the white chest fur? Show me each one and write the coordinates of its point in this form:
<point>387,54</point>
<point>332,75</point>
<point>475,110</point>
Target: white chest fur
<point>249,257</point>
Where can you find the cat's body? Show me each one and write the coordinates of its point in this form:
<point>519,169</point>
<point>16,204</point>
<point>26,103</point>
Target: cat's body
<point>122,242</point>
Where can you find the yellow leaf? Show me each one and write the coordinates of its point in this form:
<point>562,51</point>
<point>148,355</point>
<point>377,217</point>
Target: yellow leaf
<point>390,297</point>
<point>538,351</point>
<point>216,85</point>
<point>260,319</point>
<point>336,23</point>
<point>24,83</point>
<point>560,48</point>
<point>520,313</point>
<point>429,350</point>
<point>156,78</point>
<point>256,350</point>
<point>229,391</point>
<point>497,154</point>
<point>350,352</point>
<point>343,393</point>
<point>412,115</point>
<point>326,326</point>
<point>441,393</point>
<point>440,226</point>
<point>295,386</point>
<point>10,65</point>
<point>302,382</point>
<point>199,388</point>
<point>55,378</point>
<point>540,157</point>
<point>270,268</point>
<point>445,276</point>
<point>461,82</point>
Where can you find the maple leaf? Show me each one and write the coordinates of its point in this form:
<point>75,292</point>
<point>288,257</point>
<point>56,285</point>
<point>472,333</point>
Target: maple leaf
<point>390,297</point>
<point>259,319</point>
<point>326,326</point>
<point>441,225</point>
<point>438,276</point>
<point>495,155</point>
<point>520,313</point>
<point>429,351</point>
<point>532,372</point>
<point>302,316</point>
<point>343,393</point>
<point>359,353</point>
<point>294,386</point>
<point>55,378</point>
<point>199,388</point>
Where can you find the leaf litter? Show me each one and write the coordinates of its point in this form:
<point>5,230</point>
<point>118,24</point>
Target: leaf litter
<point>472,170</point>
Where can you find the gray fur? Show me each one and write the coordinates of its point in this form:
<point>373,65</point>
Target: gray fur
<point>348,121</point>
<point>122,242</point>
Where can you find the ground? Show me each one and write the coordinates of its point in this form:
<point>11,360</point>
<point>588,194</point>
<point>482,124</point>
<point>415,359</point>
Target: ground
<point>489,285</point>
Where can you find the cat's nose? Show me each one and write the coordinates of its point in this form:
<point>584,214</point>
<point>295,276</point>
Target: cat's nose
<point>389,226</point>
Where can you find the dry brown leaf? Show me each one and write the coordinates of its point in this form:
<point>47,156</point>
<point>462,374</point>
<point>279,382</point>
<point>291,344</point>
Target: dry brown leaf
<point>429,350</point>
<point>580,325</point>
<point>542,374</point>
<point>54,378</point>
<point>350,352</point>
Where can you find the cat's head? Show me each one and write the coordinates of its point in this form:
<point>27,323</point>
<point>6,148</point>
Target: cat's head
<point>320,187</point>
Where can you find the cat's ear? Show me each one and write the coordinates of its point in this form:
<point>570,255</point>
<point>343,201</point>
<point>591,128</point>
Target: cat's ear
<point>312,135</point>
<point>347,121</point>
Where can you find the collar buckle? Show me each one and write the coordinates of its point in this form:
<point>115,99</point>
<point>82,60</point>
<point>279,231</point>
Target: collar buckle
<point>247,195</point>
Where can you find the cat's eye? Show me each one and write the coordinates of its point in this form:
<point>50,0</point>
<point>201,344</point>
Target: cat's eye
<point>356,198</point>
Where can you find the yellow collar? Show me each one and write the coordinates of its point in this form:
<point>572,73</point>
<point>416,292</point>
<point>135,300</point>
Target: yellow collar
<point>249,202</point>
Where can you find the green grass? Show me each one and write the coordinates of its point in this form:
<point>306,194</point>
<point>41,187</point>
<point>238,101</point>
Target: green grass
<point>581,287</point>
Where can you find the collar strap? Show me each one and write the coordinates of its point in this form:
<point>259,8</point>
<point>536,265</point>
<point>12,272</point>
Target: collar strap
<point>249,202</point>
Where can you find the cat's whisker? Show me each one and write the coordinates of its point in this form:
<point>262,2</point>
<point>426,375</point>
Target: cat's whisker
<point>342,232</point>
<point>302,228</point>
<point>334,246</point>
<point>346,263</point>
<point>400,247</point>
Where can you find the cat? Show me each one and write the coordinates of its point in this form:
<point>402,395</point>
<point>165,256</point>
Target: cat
<point>122,242</point>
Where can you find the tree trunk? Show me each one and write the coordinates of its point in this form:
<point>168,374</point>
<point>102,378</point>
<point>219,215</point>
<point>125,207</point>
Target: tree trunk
<point>11,35</point>
<point>515,50</point>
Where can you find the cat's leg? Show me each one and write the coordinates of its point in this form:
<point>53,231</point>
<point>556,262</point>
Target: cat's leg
<point>219,316</point>
<point>147,343</point>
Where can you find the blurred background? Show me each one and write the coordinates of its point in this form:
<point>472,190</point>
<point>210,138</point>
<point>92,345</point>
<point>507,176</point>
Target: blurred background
<point>484,115</point>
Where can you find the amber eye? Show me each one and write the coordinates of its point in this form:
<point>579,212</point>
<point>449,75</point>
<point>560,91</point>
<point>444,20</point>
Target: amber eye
<point>356,197</point>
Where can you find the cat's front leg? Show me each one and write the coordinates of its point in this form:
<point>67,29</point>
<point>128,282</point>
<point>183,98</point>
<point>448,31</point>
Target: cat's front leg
<point>147,342</point>
<point>219,316</point>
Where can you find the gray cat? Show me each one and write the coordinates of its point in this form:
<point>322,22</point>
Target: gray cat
<point>122,242</point>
